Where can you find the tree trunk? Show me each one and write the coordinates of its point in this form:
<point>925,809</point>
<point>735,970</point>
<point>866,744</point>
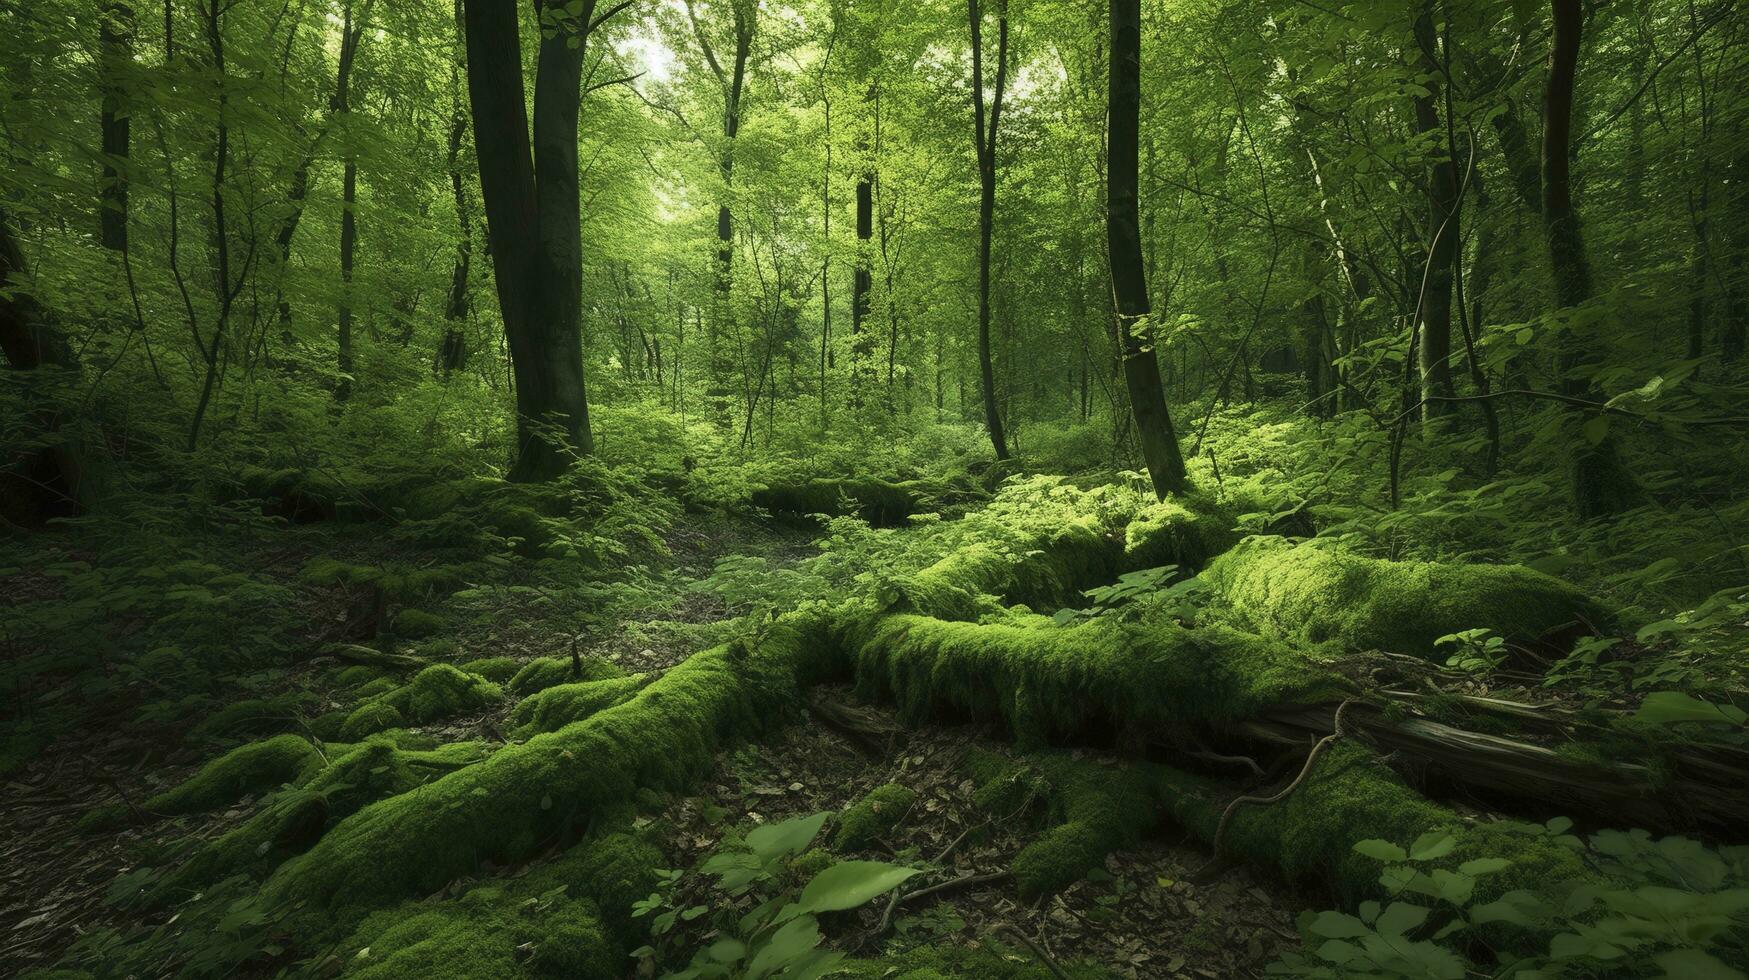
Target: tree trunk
<point>348,221</point>
<point>49,482</point>
<point>862,282</point>
<point>1434,305</point>
<point>454,352</point>
<point>116,43</point>
<point>1129,286</point>
<point>986,146</point>
<point>1600,486</point>
<point>533,225</point>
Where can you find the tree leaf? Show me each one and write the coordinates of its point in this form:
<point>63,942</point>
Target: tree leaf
<point>847,884</point>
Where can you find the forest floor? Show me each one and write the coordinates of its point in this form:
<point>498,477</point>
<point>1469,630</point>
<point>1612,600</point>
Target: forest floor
<point>1139,917</point>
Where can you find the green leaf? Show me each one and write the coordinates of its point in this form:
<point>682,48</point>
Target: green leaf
<point>726,950</point>
<point>1675,707</point>
<point>1400,917</point>
<point>1596,429</point>
<point>1433,844</point>
<point>1382,850</point>
<point>787,945</point>
<point>847,884</point>
<point>787,837</point>
<point>1484,866</point>
<point>1337,925</point>
<point>1693,964</point>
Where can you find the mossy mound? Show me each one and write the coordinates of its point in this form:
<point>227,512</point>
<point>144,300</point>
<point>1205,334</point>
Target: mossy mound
<point>499,669</point>
<point>556,707</point>
<point>506,807</point>
<point>439,691</point>
<point>1049,682</point>
<point>1311,594</point>
<point>876,501</point>
<point>248,769</point>
<point>567,918</point>
<point>544,672</point>
<point>873,817</point>
<point>1043,572</point>
<point>1187,532</point>
<point>417,624</point>
<point>104,819</point>
<point>292,821</point>
<point>1087,810</point>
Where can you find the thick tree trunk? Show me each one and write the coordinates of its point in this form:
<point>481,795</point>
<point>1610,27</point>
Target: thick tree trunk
<point>533,227</point>
<point>1736,326</point>
<point>986,145</point>
<point>1434,306</point>
<point>1129,286</point>
<point>50,482</point>
<point>116,42</point>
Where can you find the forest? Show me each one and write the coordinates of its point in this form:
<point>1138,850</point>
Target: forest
<point>1012,489</point>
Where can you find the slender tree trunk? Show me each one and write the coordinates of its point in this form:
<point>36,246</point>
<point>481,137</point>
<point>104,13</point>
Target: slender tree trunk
<point>986,146</point>
<point>1736,326</point>
<point>454,352</point>
<point>116,43</point>
<point>534,224</point>
<point>1129,286</point>
<point>862,282</point>
<point>1434,307</point>
<point>348,221</point>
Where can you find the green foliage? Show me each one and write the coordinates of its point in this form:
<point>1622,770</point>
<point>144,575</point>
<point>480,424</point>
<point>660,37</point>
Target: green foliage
<point>1671,905</point>
<point>781,935</point>
<point>247,769</point>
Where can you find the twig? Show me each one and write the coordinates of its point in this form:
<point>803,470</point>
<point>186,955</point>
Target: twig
<point>1038,951</point>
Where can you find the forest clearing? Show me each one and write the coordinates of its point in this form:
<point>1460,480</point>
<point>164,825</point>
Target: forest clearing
<point>1016,489</point>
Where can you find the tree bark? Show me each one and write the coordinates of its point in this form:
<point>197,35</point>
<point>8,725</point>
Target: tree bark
<point>1129,285</point>
<point>986,146</point>
<point>1600,485</point>
<point>533,224</point>
<point>1434,305</point>
<point>116,43</point>
<point>348,220</point>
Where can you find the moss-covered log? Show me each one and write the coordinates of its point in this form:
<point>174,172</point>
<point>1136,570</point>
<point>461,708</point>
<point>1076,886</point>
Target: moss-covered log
<point>877,501</point>
<point>1312,594</point>
<point>524,796</point>
<point>1049,683</point>
<point>248,769</point>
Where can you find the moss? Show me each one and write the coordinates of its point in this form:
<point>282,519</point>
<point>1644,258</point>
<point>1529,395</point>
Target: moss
<point>556,707</point>
<point>811,862</point>
<point>544,672</point>
<point>506,807</point>
<point>877,501</point>
<point>356,675</point>
<point>104,819</point>
<point>327,726</point>
<point>248,769</point>
<point>1045,572</point>
<point>873,817</point>
<point>439,691</point>
<point>499,669</point>
<point>1352,796</point>
<point>417,624</point>
<point>1188,532</point>
<point>256,716</point>
<point>291,822</point>
<point>382,685</point>
<point>1048,681</point>
<point>484,935</point>
<point>1312,594</point>
<point>569,917</point>
<point>370,718</point>
<point>1088,809</point>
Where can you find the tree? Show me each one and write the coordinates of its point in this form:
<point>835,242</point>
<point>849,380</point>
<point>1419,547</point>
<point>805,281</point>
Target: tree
<point>533,218</point>
<point>1129,283</point>
<point>985,135</point>
<point>1433,307</point>
<point>116,44</point>
<point>1600,485</point>
<point>49,481</point>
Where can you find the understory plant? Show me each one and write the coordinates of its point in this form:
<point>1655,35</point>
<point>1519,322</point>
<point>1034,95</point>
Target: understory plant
<point>1667,907</point>
<point>779,935</point>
